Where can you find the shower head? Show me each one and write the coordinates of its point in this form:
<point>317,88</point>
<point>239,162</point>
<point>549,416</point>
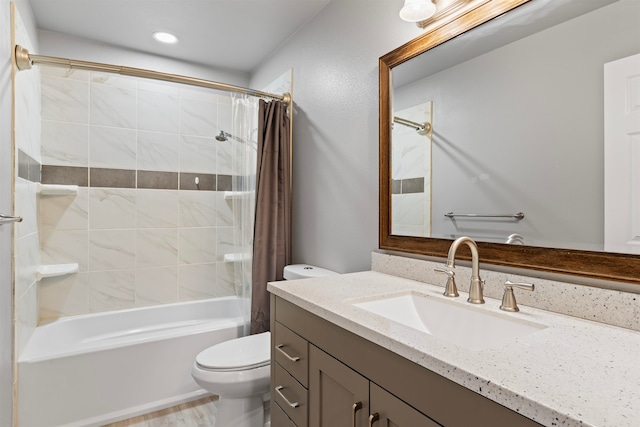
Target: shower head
<point>222,136</point>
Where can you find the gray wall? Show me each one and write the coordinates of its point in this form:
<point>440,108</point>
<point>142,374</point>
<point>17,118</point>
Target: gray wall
<point>510,126</point>
<point>335,127</point>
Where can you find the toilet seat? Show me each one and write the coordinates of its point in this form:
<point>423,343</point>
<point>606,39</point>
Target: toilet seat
<point>250,352</point>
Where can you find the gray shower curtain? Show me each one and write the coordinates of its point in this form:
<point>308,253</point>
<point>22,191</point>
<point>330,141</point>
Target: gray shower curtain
<point>272,230</point>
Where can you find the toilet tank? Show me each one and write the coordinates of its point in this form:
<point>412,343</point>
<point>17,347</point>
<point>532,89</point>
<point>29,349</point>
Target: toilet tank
<point>305,271</point>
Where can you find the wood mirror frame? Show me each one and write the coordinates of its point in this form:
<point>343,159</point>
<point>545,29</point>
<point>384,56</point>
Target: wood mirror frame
<point>617,267</point>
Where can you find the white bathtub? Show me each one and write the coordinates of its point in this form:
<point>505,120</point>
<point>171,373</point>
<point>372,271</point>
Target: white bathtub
<point>94,369</point>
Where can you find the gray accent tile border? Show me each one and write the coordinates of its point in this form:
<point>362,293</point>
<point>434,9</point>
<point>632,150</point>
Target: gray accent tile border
<point>224,183</point>
<point>407,186</point>
<point>112,178</point>
<point>413,185</point>
<point>396,186</point>
<point>157,180</point>
<point>28,167</point>
<point>129,178</point>
<point>23,165</point>
<point>207,182</point>
<point>66,175</point>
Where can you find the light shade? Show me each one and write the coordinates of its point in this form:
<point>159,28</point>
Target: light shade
<point>417,10</point>
<point>165,37</point>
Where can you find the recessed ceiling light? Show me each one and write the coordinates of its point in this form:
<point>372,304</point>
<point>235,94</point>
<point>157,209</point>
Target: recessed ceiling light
<point>165,37</point>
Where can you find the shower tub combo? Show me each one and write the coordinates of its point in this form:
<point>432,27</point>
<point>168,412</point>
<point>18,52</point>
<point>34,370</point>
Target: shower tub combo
<point>94,369</point>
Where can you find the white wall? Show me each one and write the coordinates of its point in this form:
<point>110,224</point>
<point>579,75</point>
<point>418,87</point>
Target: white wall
<point>6,205</point>
<point>66,46</point>
<point>6,294</point>
<point>335,127</point>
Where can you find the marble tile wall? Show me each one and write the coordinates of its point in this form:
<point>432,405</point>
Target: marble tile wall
<point>27,158</point>
<point>141,230</point>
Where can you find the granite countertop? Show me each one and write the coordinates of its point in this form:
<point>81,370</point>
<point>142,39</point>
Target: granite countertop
<point>574,372</point>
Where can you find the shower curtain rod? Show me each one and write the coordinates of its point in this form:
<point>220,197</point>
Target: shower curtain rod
<point>25,60</point>
<point>420,127</point>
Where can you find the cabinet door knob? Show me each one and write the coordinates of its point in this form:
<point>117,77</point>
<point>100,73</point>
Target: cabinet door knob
<point>290,403</point>
<point>355,408</point>
<point>287,355</point>
<point>373,418</point>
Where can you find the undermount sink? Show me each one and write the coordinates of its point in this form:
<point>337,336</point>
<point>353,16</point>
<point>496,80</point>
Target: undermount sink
<point>461,324</point>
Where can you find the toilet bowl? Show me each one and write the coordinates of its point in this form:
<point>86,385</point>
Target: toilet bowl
<point>238,370</point>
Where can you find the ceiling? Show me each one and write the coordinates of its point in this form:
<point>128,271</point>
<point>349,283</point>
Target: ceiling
<point>230,34</point>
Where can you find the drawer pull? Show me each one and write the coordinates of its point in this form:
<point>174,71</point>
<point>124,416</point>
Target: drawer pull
<point>373,418</point>
<point>291,358</point>
<point>291,404</point>
<point>356,407</point>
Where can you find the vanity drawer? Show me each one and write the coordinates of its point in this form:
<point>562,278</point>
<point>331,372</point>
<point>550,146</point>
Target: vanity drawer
<point>290,396</point>
<point>291,352</point>
<point>279,418</point>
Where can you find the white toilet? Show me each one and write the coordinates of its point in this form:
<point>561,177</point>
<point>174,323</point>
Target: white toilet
<point>238,370</point>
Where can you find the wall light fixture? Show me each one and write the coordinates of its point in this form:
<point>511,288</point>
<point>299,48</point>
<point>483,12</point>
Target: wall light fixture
<point>417,10</point>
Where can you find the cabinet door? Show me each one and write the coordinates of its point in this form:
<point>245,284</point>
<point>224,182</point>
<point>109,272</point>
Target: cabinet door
<point>338,395</point>
<point>389,411</point>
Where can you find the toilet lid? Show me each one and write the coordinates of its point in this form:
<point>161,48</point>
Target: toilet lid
<point>252,351</point>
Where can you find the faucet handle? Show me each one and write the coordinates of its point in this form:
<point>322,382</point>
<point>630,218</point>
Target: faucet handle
<point>450,289</point>
<point>509,299</point>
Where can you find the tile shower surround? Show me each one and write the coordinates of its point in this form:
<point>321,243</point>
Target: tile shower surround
<point>141,230</point>
<point>27,160</point>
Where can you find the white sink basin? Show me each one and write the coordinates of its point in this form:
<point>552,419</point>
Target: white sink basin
<point>459,323</point>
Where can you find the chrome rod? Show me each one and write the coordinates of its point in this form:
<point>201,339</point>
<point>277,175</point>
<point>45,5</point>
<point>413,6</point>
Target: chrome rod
<point>6,219</point>
<point>518,215</point>
<point>420,127</point>
<point>24,61</point>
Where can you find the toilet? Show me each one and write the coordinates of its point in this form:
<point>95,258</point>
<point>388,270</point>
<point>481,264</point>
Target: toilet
<point>238,370</point>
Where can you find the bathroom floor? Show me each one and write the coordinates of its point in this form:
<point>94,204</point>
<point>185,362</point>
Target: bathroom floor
<point>199,413</point>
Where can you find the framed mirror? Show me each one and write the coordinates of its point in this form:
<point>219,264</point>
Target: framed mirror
<point>523,137</point>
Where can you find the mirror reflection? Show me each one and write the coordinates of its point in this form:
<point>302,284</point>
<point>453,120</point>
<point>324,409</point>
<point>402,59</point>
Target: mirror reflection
<point>528,143</point>
<point>411,171</point>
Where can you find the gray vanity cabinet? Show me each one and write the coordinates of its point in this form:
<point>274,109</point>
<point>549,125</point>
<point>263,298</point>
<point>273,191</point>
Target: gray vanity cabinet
<point>320,370</point>
<point>340,397</point>
<point>393,412</point>
<point>337,393</point>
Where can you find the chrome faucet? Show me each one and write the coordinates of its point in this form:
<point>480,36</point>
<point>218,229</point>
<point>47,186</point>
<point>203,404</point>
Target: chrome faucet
<point>477,284</point>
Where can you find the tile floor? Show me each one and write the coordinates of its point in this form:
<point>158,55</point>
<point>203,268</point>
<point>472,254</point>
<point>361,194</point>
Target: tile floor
<point>199,413</point>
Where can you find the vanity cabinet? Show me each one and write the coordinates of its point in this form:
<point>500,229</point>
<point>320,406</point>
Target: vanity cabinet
<point>340,397</point>
<point>335,368</point>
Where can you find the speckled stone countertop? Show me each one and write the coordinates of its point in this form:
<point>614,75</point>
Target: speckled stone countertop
<point>573,373</point>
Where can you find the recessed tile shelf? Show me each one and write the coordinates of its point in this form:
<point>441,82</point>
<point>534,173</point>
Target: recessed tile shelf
<point>54,270</point>
<point>236,257</point>
<point>56,189</point>
<point>237,194</point>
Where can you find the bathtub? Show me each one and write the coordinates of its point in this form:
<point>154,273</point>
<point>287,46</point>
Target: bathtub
<point>94,369</point>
